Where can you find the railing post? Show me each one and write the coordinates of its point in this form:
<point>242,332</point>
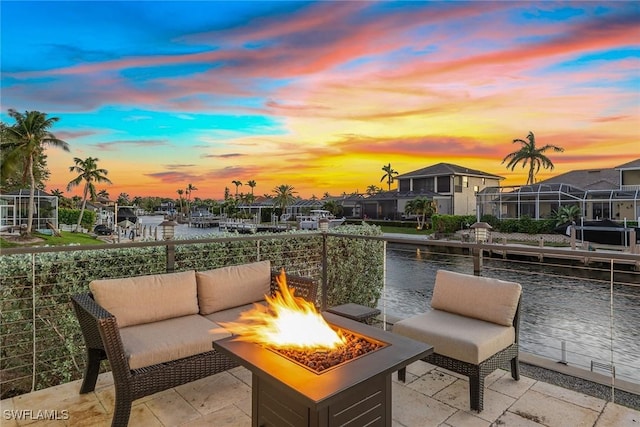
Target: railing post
<point>477,260</point>
<point>171,257</point>
<point>323,299</point>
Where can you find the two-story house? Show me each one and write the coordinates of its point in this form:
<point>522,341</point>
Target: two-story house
<point>452,187</point>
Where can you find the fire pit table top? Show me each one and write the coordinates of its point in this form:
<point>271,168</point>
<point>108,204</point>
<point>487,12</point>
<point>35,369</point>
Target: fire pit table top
<point>319,390</point>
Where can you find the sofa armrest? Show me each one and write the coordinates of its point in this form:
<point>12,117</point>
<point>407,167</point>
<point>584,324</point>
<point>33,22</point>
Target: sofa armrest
<point>100,331</point>
<point>305,287</point>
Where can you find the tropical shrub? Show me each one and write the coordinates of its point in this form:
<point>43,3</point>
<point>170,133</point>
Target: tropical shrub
<point>70,217</point>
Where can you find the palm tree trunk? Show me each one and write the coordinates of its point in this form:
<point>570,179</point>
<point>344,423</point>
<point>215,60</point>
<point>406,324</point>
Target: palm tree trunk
<point>84,203</point>
<point>32,195</point>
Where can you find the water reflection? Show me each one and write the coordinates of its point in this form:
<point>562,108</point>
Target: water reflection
<point>557,306</point>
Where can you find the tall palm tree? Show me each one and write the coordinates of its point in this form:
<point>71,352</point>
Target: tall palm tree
<point>237,184</point>
<point>532,155</point>
<point>251,183</point>
<point>180,192</point>
<point>389,174</point>
<point>89,173</point>
<point>25,140</point>
<point>284,196</point>
<point>190,188</point>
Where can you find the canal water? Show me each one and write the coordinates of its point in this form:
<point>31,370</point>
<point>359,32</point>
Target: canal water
<point>558,306</point>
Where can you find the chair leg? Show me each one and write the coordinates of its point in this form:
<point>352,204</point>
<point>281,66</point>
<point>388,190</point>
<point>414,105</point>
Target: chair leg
<point>91,370</point>
<point>515,369</point>
<point>402,374</point>
<point>121,411</point>
<point>476,392</point>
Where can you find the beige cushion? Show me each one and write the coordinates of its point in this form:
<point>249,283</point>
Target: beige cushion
<point>232,314</point>
<point>170,339</point>
<point>482,298</point>
<point>233,286</point>
<point>458,337</point>
<point>145,299</point>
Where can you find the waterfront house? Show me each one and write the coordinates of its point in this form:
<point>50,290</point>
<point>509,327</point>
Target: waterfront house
<point>608,193</point>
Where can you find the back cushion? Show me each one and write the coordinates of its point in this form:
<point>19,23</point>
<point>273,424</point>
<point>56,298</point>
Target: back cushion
<point>232,286</point>
<point>146,299</point>
<point>481,298</point>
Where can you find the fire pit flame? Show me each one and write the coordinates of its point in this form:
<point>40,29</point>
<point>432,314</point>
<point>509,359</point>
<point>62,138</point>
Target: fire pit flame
<point>286,322</point>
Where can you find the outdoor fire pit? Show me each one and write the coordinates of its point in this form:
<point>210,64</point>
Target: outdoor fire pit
<point>354,392</point>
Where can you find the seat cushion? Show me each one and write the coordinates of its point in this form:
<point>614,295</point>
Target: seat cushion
<point>227,287</point>
<point>462,338</point>
<point>146,299</point>
<point>232,314</point>
<point>482,298</point>
<point>171,339</point>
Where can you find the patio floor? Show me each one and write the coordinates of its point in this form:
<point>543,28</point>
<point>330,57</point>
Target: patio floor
<point>431,397</point>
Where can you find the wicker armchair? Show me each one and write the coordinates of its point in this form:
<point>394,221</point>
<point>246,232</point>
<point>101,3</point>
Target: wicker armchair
<point>103,341</point>
<point>474,318</point>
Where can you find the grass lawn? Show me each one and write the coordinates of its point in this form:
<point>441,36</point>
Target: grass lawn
<point>405,230</point>
<point>68,238</point>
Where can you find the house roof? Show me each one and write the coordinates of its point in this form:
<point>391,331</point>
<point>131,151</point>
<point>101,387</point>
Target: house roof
<point>25,192</point>
<point>446,169</point>
<point>588,179</point>
<point>634,164</point>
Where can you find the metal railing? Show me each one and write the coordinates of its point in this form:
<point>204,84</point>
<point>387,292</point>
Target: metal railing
<point>41,340</point>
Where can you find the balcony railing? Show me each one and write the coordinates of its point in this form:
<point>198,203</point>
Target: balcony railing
<point>41,342</point>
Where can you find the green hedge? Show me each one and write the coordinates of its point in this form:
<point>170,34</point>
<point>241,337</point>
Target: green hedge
<point>70,217</point>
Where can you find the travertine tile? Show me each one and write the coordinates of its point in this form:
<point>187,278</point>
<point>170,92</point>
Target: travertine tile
<point>569,396</point>
<point>242,374</point>
<point>8,418</point>
<point>457,395</point>
<point>618,415</point>
<point>229,416</point>
<point>510,419</point>
<point>413,409</point>
<point>215,392</point>
<point>466,419</point>
<point>507,385</point>
<point>141,416</point>
<point>171,409</point>
<point>432,382</point>
<point>552,412</point>
<point>420,368</point>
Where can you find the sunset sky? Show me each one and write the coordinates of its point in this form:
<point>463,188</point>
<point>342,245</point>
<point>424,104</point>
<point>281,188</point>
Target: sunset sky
<point>321,95</point>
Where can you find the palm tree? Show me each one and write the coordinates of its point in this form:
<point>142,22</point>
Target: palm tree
<point>252,184</point>
<point>566,214</point>
<point>423,207</point>
<point>373,189</point>
<point>88,172</point>
<point>284,196</point>
<point>190,188</point>
<point>58,193</point>
<point>26,140</point>
<point>237,184</point>
<point>532,155</point>
<point>388,175</point>
<point>103,193</point>
<point>180,192</point>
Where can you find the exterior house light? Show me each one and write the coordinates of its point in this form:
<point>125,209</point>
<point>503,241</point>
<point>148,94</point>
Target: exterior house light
<point>168,229</point>
<point>481,230</point>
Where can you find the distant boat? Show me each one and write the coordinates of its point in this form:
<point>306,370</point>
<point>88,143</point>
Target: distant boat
<point>604,231</point>
<point>126,213</point>
<point>312,221</point>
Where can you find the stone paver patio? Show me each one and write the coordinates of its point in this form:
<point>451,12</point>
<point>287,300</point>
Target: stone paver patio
<point>430,397</point>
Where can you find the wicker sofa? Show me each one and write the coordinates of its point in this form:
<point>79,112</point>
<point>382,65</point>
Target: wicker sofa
<point>473,327</point>
<point>157,331</point>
